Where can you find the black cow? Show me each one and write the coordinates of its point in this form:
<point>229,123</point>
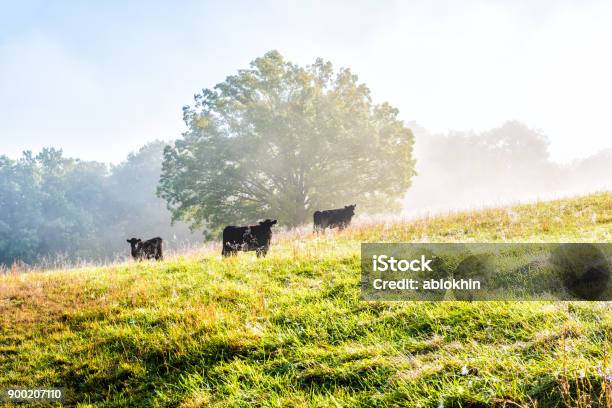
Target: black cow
<point>252,238</point>
<point>151,249</point>
<point>340,218</point>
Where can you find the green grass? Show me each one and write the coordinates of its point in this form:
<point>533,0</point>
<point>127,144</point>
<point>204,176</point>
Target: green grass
<point>290,330</point>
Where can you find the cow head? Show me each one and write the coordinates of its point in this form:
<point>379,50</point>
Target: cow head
<point>350,209</point>
<point>134,243</point>
<point>269,223</point>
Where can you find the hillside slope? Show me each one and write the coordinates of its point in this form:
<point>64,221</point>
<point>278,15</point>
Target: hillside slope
<point>290,330</point>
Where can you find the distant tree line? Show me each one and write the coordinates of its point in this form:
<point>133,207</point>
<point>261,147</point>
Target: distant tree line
<point>54,208</point>
<point>276,140</point>
<point>507,164</point>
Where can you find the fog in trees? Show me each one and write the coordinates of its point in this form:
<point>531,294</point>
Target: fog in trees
<point>280,140</point>
<point>56,209</point>
<point>59,209</point>
<point>275,141</point>
<point>508,164</point>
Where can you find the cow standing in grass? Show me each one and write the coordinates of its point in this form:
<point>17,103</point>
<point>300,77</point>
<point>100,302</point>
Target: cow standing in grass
<point>252,238</point>
<point>340,218</point>
<point>151,249</point>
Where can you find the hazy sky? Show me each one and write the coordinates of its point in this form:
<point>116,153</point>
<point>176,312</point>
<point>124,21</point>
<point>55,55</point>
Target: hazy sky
<point>99,79</point>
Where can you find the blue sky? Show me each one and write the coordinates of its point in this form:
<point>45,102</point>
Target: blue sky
<point>99,79</point>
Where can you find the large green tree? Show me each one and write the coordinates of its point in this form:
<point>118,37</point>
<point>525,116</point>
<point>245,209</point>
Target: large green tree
<point>281,140</point>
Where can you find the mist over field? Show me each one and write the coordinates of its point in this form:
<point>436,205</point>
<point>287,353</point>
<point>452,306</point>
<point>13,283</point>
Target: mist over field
<point>457,170</point>
<point>508,164</point>
<point>58,211</point>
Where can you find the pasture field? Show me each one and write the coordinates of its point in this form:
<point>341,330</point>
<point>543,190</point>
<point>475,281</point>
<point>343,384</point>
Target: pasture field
<point>290,330</point>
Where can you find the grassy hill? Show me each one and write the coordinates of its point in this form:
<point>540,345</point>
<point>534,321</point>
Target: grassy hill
<point>290,330</point>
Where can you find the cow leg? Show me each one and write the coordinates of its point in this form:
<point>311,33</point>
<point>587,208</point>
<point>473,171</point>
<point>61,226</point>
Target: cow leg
<point>227,250</point>
<point>230,250</point>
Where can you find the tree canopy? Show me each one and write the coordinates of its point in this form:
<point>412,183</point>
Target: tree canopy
<point>279,140</point>
<point>55,209</point>
<point>50,205</point>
